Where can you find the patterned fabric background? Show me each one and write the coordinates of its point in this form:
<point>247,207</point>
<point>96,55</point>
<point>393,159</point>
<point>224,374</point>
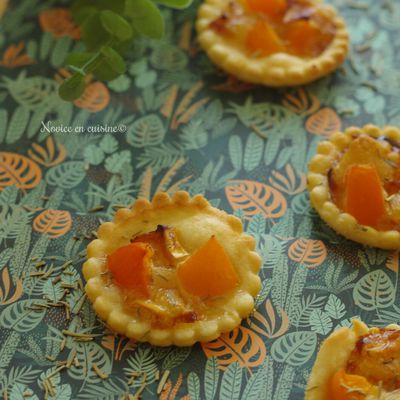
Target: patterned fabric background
<point>181,124</point>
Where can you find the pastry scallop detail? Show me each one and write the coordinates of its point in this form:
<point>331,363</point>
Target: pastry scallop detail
<point>354,184</point>
<point>173,271</point>
<point>357,363</point>
<point>273,42</point>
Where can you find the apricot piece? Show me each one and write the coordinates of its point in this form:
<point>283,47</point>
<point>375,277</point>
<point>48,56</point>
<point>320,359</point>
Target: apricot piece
<point>364,198</point>
<point>208,272</point>
<point>344,386</point>
<point>305,38</point>
<point>272,8</point>
<point>262,40</point>
<point>130,267</point>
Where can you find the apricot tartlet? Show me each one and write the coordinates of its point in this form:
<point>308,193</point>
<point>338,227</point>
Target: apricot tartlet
<point>273,42</point>
<point>357,363</point>
<point>172,271</point>
<point>354,184</point>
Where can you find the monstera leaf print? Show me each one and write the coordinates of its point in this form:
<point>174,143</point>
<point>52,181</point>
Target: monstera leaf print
<point>255,198</point>
<point>374,290</point>
<point>18,170</point>
<point>295,348</point>
<point>54,223</point>
<point>241,345</point>
<point>324,122</point>
<point>310,253</point>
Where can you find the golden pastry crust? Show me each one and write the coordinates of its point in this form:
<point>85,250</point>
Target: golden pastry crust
<point>333,355</point>
<point>279,69</point>
<point>194,220</point>
<point>320,195</point>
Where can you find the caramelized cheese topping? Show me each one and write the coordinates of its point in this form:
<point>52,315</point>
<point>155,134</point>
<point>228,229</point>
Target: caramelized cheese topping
<point>163,283</point>
<point>265,27</point>
<point>365,182</point>
<point>376,357</point>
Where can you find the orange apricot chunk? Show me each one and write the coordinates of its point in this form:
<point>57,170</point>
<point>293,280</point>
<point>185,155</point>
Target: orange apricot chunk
<point>271,8</point>
<point>130,267</point>
<point>262,40</point>
<point>344,386</point>
<point>364,198</point>
<point>306,39</point>
<point>208,272</point>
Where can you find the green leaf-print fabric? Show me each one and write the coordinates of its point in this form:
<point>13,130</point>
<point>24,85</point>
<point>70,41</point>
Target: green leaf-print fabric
<point>173,121</point>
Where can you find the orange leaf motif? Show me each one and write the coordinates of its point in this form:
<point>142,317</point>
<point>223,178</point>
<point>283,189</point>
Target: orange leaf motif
<point>95,98</point>
<point>59,22</point>
<point>267,325</point>
<point>169,392</point>
<point>241,345</point>
<point>255,198</point>
<point>324,122</point>
<point>308,252</point>
<point>392,261</point>
<point>54,223</point>
<point>18,170</point>
<point>13,58</point>
<point>5,289</point>
<point>302,102</point>
<point>47,156</point>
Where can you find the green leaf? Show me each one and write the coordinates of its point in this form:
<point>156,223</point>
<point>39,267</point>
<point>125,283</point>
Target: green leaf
<point>20,317</point>
<point>211,378</point>
<point>255,385</point>
<point>193,384</point>
<point>116,25</point>
<point>231,382</point>
<point>335,307</point>
<point>18,392</point>
<point>257,225</point>
<point>179,4</point>
<point>116,162</point>
<point>294,348</point>
<point>93,33</point>
<point>236,151</point>
<point>320,322</point>
<point>60,51</point>
<point>253,152</point>
<point>88,354</point>
<point>93,154</point>
<point>72,88</point>
<point>108,144</point>
<point>53,291</point>
<point>176,357</point>
<point>120,84</point>
<point>18,123</point>
<point>66,175</point>
<point>111,61</point>
<point>374,290</point>
<point>167,57</point>
<point>146,131</point>
<point>79,59</point>
<point>146,18</point>
<point>141,361</point>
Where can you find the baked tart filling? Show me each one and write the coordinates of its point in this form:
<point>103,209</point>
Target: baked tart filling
<point>274,42</point>
<point>262,28</point>
<point>173,271</point>
<point>368,369</point>
<point>354,183</point>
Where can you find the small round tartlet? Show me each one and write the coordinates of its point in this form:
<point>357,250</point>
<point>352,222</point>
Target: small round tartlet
<point>194,221</point>
<point>375,147</point>
<point>356,363</point>
<point>280,68</point>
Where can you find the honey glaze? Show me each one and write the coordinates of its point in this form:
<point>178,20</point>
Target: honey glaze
<point>262,28</point>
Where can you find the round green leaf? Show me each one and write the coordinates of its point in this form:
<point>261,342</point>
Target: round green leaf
<point>179,4</point>
<point>146,131</point>
<point>113,59</point>
<point>116,25</point>
<point>146,18</point>
<point>94,35</point>
<point>79,59</point>
<point>72,88</point>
